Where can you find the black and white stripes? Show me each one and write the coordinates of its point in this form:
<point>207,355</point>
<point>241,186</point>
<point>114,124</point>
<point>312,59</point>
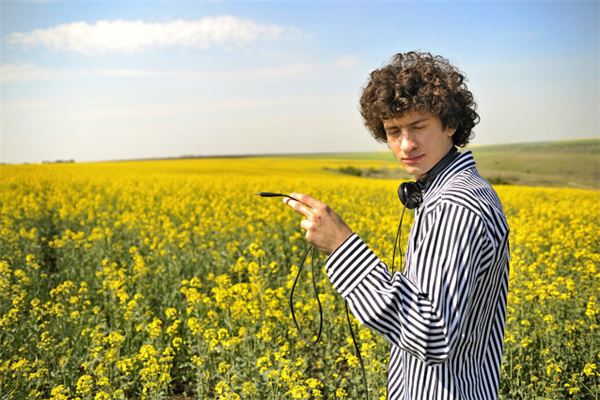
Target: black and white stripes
<point>445,313</point>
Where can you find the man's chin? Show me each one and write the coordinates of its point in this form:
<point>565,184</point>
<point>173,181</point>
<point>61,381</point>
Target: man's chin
<point>416,173</point>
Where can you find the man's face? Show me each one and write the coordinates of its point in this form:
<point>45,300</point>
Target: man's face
<point>418,141</point>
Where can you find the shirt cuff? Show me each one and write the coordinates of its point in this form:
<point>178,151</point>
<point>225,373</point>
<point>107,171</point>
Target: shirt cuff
<point>349,264</point>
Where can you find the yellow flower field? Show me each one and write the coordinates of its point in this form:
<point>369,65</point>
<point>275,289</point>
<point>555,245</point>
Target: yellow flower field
<point>170,279</point>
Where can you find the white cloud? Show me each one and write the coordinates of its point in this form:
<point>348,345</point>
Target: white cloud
<point>125,72</point>
<point>28,72</point>
<point>132,36</point>
<point>291,70</point>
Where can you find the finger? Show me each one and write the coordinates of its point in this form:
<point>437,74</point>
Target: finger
<point>306,224</point>
<point>299,207</point>
<point>308,200</point>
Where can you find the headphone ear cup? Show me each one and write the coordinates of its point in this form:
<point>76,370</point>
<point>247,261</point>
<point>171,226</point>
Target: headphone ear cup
<point>410,194</point>
<point>402,193</point>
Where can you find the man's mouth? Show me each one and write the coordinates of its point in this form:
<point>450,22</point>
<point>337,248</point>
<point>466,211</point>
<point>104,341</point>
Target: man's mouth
<point>412,160</point>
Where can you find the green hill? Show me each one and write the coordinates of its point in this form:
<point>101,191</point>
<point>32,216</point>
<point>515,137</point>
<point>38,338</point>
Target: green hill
<point>573,163</point>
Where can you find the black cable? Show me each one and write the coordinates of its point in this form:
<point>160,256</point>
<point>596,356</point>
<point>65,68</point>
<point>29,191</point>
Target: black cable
<point>273,194</point>
<point>358,355</point>
<point>398,233</point>
<point>312,260</point>
<point>354,338</point>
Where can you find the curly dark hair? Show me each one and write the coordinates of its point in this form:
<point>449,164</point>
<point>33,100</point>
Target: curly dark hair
<point>418,81</point>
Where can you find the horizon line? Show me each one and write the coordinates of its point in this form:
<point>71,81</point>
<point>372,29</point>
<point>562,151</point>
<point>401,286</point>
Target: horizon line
<point>257,155</point>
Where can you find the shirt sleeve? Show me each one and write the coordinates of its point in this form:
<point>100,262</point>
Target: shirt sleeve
<point>423,315</point>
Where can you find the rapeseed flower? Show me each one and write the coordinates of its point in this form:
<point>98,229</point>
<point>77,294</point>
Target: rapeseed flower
<point>144,279</point>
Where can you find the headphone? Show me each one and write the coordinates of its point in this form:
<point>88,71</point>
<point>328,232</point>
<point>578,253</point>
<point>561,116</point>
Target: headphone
<point>411,193</point>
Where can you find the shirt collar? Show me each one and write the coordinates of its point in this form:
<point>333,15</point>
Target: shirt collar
<point>461,163</point>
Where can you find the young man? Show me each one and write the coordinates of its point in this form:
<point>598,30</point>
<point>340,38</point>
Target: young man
<point>444,314</point>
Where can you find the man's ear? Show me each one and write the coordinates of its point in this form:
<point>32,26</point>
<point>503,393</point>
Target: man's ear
<point>451,131</point>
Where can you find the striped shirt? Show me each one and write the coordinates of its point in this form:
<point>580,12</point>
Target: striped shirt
<point>444,314</point>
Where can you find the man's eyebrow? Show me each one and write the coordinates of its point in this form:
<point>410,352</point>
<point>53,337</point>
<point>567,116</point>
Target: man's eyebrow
<point>395,127</point>
<point>419,121</point>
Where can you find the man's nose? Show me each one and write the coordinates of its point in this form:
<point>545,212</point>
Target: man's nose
<point>407,143</point>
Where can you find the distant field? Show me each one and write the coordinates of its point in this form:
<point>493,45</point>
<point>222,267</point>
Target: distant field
<point>574,163</point>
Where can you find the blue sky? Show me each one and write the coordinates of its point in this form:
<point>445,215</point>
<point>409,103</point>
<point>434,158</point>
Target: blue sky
<point>112,80</point>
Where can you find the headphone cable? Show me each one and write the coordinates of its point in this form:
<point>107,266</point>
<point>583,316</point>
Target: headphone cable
<point>313,343</point>
<point>398,234</point>
<point>312,262</point>
<point>310,249</point>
